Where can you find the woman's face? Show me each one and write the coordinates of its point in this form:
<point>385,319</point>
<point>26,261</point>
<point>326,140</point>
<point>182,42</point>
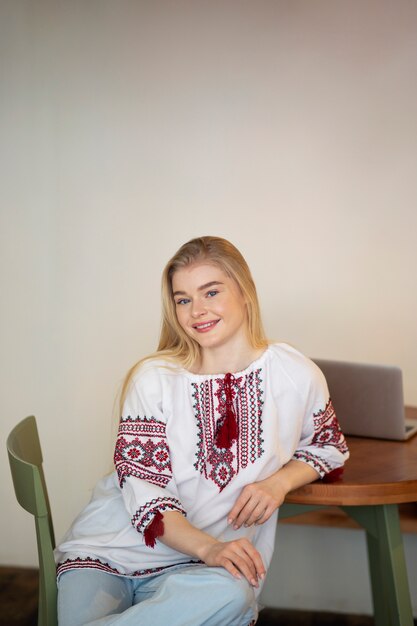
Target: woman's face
<point>210,306</point>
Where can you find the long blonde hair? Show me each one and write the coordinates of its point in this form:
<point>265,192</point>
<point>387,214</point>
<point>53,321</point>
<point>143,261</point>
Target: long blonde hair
<point>174,344</point>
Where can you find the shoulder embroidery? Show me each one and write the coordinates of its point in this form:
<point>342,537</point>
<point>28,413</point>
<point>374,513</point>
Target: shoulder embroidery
<point>142,451</point>
<point>326,432</point>
<point>221,464</point>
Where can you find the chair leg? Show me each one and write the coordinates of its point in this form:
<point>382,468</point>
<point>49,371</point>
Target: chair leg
<point>389,581</point>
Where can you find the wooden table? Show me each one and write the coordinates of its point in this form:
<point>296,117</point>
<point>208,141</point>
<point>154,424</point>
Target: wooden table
<point>378,476</point>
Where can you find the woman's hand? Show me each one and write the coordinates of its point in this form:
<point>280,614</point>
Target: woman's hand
<point>237,557</point>
<point>256,503</point>
<point>259,500</point>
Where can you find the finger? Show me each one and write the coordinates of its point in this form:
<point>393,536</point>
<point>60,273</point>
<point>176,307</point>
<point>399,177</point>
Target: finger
<point>242,553</point>
<point>257,513</point>
<point>247,567</point>
<point>240,503</point>
<point>256,560</point>
<point>232,569</point>
<point>266,515</point>
<point>247,513</point>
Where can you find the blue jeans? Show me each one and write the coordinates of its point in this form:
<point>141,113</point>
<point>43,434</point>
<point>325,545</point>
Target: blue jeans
<point>188,596</point>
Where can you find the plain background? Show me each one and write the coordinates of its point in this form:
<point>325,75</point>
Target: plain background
<point>128,127</point>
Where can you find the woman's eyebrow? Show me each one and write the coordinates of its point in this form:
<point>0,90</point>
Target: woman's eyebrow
<point>205,286</point>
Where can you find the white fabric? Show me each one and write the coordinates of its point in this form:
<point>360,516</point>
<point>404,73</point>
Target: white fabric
<point>166,457</point>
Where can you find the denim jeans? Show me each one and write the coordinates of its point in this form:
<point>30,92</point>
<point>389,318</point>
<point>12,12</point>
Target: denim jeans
<point>187,596</point>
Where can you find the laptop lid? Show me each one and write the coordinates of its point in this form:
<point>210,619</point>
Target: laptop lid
<point>368,399</point>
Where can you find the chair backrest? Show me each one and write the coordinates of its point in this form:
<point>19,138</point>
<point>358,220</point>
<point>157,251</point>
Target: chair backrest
<point>25,458</point>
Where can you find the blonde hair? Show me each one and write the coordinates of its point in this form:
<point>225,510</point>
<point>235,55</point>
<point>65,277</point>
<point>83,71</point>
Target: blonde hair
<point>174,344</point>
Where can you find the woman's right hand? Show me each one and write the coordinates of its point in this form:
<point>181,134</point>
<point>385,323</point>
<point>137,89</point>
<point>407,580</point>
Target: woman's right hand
<point>237,557</point>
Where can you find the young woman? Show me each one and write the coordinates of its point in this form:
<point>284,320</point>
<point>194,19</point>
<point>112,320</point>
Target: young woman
<point>217,427</point>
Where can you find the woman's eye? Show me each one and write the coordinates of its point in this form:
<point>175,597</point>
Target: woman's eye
<point>212,293</point>
<point>183,301</point>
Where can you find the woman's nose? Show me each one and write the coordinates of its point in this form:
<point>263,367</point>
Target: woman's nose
<point>197,309</point>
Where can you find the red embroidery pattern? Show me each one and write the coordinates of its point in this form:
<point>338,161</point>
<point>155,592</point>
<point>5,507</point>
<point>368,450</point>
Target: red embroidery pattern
<point>142,451</point>
<point>80,563</point>
<point>326,432</point>
<point>320,465</point>
<point>210,406</point>
<point>146,513</point>
<point>327,429</point>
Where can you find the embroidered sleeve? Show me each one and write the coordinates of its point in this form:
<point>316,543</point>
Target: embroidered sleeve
<point>142,459</point>
<point>322,444</point>
<point>142,450</point>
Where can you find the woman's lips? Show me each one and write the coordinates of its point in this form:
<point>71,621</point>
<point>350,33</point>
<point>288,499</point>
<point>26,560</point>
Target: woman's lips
<point>205,327</point>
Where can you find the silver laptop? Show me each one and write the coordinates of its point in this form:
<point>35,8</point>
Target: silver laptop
<point>368,399</point>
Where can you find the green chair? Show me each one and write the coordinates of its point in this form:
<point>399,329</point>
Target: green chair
<point>25,457</point>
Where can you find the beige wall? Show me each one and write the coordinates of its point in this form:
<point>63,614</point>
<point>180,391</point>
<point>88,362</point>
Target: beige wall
<point>129,127</point>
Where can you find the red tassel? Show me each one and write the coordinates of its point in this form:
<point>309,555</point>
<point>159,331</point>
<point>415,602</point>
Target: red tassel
<point>227,432</point>
<point>334,475</point>
<point>154,529</point>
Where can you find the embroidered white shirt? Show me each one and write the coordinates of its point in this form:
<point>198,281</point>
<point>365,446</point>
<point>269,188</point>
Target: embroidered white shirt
<point>166,457</point>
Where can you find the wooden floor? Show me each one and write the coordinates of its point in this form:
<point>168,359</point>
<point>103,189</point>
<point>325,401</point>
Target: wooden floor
<point>19,593</point>
<point>18,596</point>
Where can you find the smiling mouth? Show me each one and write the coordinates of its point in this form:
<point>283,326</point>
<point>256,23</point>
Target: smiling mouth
<point>205,326</point>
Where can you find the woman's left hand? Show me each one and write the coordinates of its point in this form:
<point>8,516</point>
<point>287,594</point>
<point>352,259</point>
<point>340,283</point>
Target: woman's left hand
<point>256,503</point>
<point>259,500</point>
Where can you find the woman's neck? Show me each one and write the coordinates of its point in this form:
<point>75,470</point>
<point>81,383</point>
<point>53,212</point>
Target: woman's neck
<point>224,360</point>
